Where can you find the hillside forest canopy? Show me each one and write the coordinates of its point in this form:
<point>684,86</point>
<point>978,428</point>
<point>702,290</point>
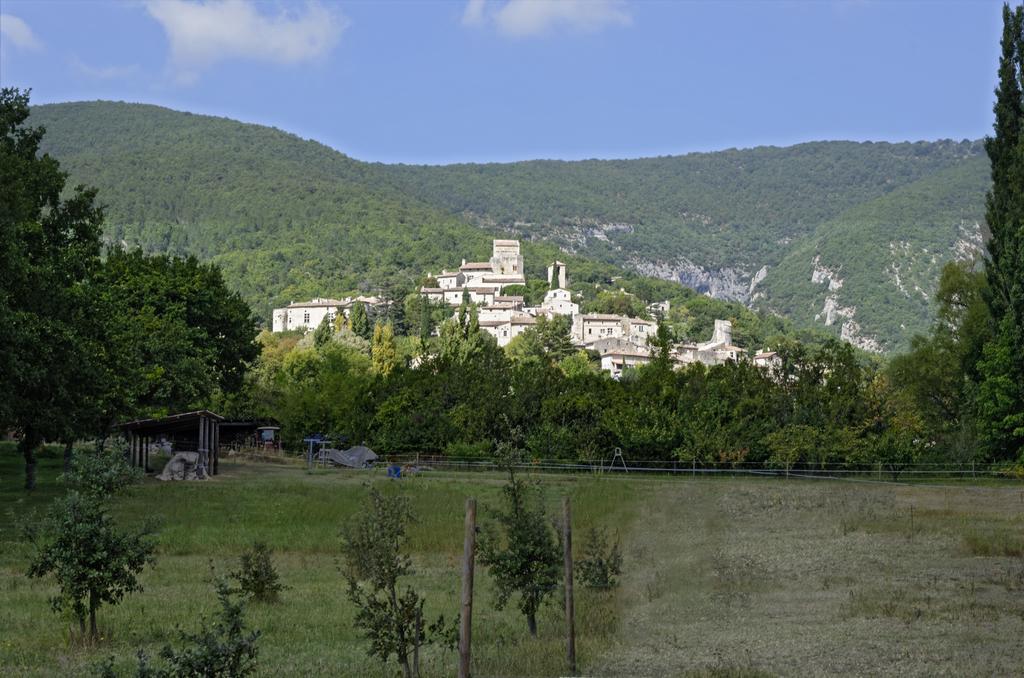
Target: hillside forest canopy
<point>288,219</point>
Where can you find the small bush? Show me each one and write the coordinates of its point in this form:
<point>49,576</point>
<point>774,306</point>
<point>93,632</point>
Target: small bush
<point>257,578</point>
<point>223,647</point>
<point>601,564</point>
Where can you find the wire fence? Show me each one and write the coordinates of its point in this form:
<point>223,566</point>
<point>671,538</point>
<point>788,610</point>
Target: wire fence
<point>617,464</point>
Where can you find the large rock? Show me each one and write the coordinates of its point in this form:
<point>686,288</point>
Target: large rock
<point>182,466</point>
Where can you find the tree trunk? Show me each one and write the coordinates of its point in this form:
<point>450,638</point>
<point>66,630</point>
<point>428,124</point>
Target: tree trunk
<point>403,649</point>
<point>68,452</point>
<point>93,604</point>
<point>28,443</point>
<point>416,644</point>
<point>531,623</point>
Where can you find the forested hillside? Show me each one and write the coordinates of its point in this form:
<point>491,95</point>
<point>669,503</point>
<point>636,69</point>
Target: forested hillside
<point>721,222</point>
<point>289,218</point>
<point>285,218</point>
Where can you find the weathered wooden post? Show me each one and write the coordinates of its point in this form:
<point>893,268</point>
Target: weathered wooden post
<point>570,614</point>
<point>466,615</point>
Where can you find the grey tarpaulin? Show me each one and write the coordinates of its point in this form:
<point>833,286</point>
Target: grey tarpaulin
<point>353,457</point>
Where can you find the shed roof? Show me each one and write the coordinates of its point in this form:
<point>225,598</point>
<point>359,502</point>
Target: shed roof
<point>173,422</point>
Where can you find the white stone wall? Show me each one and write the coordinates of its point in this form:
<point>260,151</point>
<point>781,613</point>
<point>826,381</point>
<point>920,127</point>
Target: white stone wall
<point>302,317</point>
<point>560,301</point>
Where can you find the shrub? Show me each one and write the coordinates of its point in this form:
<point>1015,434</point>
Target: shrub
<point>374,547</point>
<point>257,578</point>
<point>601,564</point>
<point>527,559</point>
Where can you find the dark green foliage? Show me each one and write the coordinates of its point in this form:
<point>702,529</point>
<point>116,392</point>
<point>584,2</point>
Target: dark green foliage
<point>102,473</point>
<point>223,647</point>
<point>523,557</point>
<point>322,334</point>
<point>257,577</point>
<point>179,333</point>
<point>93,561</point>
<point>374,544</point>
<point>51,360</point>
<point>358,321</point>
<point>1000,398</point>
<point>601,563</point>
<point>290,219</point>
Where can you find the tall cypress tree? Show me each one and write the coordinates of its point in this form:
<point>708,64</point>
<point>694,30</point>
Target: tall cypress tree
<point>1005,201</point>
<point>1000,397</point>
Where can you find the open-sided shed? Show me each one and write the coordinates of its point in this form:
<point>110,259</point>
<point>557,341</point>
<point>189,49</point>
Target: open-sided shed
<point>197,431</point>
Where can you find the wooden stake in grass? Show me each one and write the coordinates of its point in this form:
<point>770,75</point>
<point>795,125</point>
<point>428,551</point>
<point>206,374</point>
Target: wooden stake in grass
<point>569,612</point>
<point>466,617</point>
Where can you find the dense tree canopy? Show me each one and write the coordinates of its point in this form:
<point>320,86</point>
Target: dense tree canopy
<point>88,339</point>
<point>288,218</point>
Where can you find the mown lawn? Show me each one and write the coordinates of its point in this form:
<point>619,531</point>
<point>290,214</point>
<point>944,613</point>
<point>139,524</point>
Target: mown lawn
<point>724,576</point>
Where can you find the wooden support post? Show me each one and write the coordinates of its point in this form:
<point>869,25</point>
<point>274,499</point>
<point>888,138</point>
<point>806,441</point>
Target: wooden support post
<point>216,448</point>
<point>466,615</point>
<point>570,614</point>
<point>145,454</point>
<point>201,448</point>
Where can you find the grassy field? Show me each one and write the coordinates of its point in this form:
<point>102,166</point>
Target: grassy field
<point>723,576</point>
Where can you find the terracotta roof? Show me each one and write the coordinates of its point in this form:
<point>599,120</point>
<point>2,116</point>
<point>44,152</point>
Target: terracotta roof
<point>601,316</point>
<point>524,320</point>
<point>431,290</point>
<point>506,243</point>
<point>447,274</point>
<point>476,266</point>
<point>481,290</point>
<point>767,354</point>
<point>493,323</point>
<point>512,299</point>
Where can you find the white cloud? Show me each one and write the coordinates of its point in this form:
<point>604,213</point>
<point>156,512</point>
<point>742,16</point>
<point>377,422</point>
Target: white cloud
<point>528,18</point>
<point>204,33</point>
<point>18,33</point>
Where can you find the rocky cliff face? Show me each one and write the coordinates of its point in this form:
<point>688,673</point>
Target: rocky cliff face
<point>731,284</point>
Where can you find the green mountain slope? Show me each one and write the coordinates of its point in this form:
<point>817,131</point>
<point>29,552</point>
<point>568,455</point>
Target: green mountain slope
<point>286,218</point>
<point>289,218</point>
<point>876,265</point>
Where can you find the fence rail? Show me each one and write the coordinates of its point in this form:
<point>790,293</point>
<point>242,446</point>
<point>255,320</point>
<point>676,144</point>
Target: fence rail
<point>876,471</point>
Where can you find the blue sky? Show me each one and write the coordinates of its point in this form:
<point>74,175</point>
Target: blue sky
<point>498,80</point>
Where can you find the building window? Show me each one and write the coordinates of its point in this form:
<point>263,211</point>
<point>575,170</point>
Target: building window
<point>305,317</point>
<point>590,330</point>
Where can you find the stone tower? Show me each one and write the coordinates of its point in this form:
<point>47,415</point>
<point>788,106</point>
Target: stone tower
<point>558,276</point>
<point>506,259</point>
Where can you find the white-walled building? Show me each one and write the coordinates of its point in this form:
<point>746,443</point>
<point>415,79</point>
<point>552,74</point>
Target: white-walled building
<point>504,330</point>
<point>559,301</point>
<point>305,315</point>
<point>616,361</point>
<point>714,352</point>
<point>504,269</point>
<point>590,327</point>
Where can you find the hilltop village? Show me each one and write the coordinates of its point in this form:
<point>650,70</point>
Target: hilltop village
<point>621,342</point>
